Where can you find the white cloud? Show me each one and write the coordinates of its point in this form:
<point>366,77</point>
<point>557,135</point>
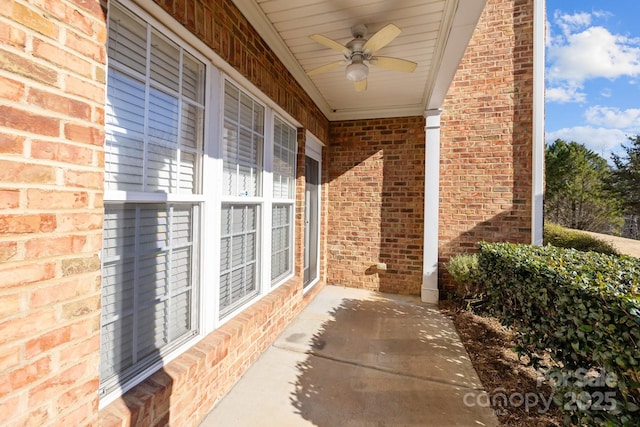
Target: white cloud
<point>613,117</point>
<point>565,94</point>
<point>602,14</point>
<point>570,23</point>
<point>600,140</point>
<point>547,34</point>
<point>592,53</point>
<point>578,51</point>
<point>606,93</point>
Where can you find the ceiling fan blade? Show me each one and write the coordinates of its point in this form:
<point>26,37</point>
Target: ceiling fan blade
<point>395,64</point>
<point>325,68</point>
<point>382,38</point>
<point>331,44</point>
<point>360,86</point>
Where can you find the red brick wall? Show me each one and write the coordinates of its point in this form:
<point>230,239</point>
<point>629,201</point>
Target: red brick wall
<point>51,181</point>
<point>486,135</point>
<point>52,87</point>
<point>376,204</point>
<point>52,79</point>
<point>188,387</point>
<point>222,27</point>
<point>183,392</point>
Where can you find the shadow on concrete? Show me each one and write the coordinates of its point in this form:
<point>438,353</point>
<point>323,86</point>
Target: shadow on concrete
<point>383,362</point>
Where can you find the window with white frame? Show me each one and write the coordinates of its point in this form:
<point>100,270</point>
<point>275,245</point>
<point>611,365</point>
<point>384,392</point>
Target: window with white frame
<point>159,185</point>
<point>284,155</point>
<point>238,254</point>
<point>242,143</point>
<point>153,195</point>
<point>242,152</point>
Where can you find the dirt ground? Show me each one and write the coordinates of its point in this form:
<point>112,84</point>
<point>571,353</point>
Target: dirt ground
<point>490,346</point>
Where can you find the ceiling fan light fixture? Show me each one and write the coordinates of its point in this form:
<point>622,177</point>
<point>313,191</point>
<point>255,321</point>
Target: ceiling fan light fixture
<point>357,71</point>
<point>359,53</point>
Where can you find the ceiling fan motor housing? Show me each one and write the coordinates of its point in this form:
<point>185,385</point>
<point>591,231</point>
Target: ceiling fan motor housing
<point>359,54</point>
<point>357,70</point>
<point>356,46</point>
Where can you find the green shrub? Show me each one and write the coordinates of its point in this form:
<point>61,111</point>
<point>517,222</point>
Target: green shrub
<point>464,270</point>
<point>561,237</point>
<point>581,307</point>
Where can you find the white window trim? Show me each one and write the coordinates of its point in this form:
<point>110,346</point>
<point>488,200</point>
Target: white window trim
<point>212,171</point>
<point>267,214</point>
<point>266,202</point>
<point>113,196</point>
<point>313,148</point>
<point>261,201</point>
<point>160,16</point>
<point>292,201</point>
<point>210,201</point>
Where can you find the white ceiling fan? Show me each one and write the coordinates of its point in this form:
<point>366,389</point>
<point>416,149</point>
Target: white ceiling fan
<point>360,51</point>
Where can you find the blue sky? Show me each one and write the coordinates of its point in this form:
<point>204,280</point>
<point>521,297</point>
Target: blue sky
<point>593,72</point>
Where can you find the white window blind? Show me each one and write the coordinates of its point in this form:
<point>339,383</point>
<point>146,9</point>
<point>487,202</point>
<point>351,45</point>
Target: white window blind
<point>284,158</point>
<point>238,255</point>
<point>243,142</point>
<point>281,240</point>
<point>242,151</point>
<point>154,110</point>
<point>154,126</point>
<point>147,285</point>
<point>155,118</point>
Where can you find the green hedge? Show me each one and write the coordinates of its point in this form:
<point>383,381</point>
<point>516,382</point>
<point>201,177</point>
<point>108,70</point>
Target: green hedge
<point>561,237</point>
<point>582,307</point>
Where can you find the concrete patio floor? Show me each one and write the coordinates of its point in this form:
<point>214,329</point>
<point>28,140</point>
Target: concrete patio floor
<point>358,358</point>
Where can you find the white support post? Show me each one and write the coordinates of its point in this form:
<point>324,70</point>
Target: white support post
<point>429,292</point>
<point>537,213</point>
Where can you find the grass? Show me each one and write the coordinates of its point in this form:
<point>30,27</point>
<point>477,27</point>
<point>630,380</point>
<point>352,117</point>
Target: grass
<point>561,237</point>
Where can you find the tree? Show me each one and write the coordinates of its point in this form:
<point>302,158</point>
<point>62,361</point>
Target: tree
<point>625,177</point>
<point>577,194</point>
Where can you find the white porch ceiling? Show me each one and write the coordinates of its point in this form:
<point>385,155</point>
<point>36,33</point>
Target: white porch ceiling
<point>434,34</point>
